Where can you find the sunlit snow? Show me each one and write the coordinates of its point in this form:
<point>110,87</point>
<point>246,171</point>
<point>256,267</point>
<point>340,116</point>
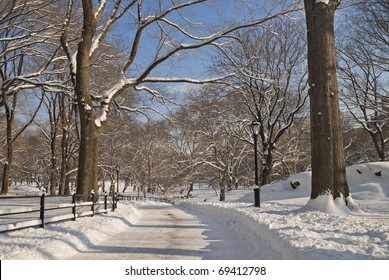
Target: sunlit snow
<point>290,224</point>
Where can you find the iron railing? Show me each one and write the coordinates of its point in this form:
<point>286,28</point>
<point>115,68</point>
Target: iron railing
<point>27,211</point>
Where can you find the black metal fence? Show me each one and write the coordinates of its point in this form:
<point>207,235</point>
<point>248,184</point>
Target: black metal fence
<point>27,211</point>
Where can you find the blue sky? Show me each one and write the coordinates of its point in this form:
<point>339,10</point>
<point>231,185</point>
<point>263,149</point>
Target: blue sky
<point>205,18</point>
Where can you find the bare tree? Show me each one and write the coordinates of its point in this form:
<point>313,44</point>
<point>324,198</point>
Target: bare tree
<point>50,131</point>
<point>373,19</point>
<point>218,151</point>
<point>21,40</point>
<point>362,73</point>
<point>69,141</point>
<point>270,82</point>
<point>34,162</point>
<point>327,151</point>
<point>293,150</point>
<point>364,94</point>
<point>173,39</point>
<point>186,146</point>
<point>149,157</point>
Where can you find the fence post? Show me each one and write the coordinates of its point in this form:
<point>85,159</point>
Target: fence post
<point>74,206</point>
<point>106,201</point>
<point>42,212</point>
<point>93,204</point>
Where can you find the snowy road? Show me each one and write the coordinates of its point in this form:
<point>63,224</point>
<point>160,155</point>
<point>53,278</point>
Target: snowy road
<point>169,232</point>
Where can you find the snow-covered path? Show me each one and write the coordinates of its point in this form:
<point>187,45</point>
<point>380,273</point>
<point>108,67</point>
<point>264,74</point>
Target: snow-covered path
<point>168,232</point>
<point>285,227</point>
<point>162,232</point>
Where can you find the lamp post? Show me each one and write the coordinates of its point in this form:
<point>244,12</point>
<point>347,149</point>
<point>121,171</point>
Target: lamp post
<point>255,131</point>
<point>117,176</point>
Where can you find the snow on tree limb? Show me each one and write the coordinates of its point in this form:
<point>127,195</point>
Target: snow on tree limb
<point>135,10</point>
<point>186,80</point>
<point>100,9</point>
<point>144,22</point>
<point>206,41</point>
<point>322,1</point>
<point>116,14</point>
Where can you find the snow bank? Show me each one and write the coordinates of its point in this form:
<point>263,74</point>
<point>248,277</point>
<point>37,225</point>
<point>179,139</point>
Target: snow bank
<point>327,204</point>
<point>317,229</point>
<point>367,182</point>
<point>62,240</point>
<point>260,236</point>
<point>294,232</point>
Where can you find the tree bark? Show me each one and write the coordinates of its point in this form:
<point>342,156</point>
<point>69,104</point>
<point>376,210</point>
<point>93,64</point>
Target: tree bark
<point>189,190</point>
<point>328,162</point>
<point>53,167</point>
<point>222,196</point>
<point>8,164</point>
<point>10,116</point>
<point>267,166</point>
<point>87,174</point>
<point>379,142</point>
<point>68,183</point>
<point>64,157</point>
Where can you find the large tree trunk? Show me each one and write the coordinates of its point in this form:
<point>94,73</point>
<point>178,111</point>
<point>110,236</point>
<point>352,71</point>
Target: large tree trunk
<point>10,115</point>
<point>328,164</point>
<point>87,175</point>
<point>7,168</point>
<point>267,166</point>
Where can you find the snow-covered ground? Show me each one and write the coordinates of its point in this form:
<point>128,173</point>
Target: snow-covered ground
<point>292,226</point>
<point>299,228</point>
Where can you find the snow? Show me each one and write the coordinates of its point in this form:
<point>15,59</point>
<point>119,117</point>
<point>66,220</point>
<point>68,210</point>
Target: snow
<point>323,1</point>
<point>103,115</point>
<point>288,225</point>
<point>62,240</point>
<point>87,108</point>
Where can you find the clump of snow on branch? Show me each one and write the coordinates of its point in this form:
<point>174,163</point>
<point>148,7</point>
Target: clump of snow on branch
<point>323,1</point>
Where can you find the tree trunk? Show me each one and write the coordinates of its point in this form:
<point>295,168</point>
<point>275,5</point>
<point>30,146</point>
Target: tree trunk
<point>327,152</point>
<point>53,171</point>
<point>87,176</point>
<point>222,196</point>
<point>379,143</point>
<point>64,156</point>
<point>7,170</point>
<point>68,183</point>
<point>10,114</point>
<point>189,190</point>
<point>267,166</point>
